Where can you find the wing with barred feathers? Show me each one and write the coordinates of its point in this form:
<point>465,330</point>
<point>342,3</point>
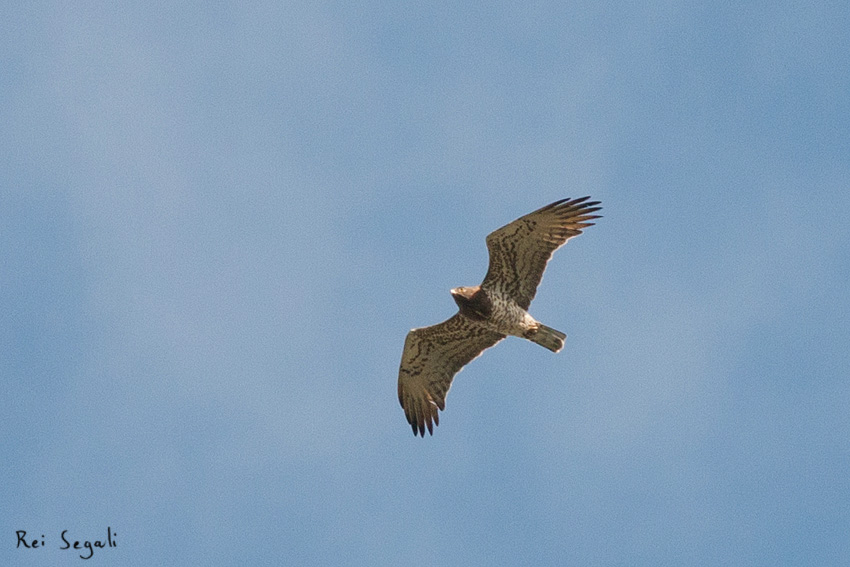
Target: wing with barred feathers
<point>519,251</point>
<point>431,358</point>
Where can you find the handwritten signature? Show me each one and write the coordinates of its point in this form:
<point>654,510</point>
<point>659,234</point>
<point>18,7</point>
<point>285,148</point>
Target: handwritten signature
<point>89,546</point>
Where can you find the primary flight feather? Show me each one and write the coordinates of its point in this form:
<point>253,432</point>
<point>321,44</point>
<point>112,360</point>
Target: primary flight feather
<point>489,312</point>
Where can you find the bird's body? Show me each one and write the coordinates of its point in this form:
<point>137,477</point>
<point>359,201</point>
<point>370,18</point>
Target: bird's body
<point>501,313</point>
<point>487,313</point>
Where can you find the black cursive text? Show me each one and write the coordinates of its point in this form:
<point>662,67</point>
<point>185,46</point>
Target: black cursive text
<point>86,547</point>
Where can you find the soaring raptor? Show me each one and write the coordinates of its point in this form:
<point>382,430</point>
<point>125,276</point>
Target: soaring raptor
<point>489,312</point>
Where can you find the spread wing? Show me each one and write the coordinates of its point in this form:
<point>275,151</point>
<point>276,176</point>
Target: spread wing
<point>431,358</point>
<point>520,250</point>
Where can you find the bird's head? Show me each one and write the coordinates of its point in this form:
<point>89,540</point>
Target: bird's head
<point>471,303</point>
<point>463,293</point>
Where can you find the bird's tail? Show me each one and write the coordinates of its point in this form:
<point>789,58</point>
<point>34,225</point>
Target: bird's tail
<point>549,338</point>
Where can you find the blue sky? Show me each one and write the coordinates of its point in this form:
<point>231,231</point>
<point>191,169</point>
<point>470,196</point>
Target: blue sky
<point>218,222</point>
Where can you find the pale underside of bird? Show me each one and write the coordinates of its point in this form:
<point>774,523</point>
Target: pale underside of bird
<point>489,312</point>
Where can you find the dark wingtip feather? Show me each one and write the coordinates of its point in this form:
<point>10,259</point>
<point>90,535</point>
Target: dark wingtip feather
<point>576,207</point>
<point>571,205</point>
<point>419,426</point>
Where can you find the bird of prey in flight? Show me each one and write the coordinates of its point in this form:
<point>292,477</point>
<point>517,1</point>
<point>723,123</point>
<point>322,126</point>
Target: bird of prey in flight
<point>489,312</point>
